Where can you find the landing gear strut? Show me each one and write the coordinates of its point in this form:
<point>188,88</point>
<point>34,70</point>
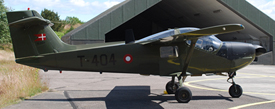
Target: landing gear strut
<point>235,90</point>
<point>182,94</point>
<point>172,86</point>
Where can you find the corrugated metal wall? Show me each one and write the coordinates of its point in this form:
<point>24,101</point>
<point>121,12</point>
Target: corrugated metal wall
<point>96,30</point>
<point>253,15</point>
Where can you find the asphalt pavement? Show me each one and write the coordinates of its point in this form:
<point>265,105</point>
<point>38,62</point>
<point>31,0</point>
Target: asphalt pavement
<point>86,90</point>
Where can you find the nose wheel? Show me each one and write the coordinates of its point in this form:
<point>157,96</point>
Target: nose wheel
<point>235,90</point>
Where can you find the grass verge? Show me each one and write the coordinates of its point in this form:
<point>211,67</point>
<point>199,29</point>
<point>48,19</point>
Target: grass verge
<point>17,82</point>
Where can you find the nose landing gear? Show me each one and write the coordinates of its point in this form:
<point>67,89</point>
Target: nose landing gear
<point>235,90</point>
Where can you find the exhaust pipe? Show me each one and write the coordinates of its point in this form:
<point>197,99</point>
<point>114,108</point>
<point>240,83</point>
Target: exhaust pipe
<point>259,50</point>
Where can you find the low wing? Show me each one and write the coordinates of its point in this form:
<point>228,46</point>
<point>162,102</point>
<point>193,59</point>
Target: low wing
<point>220,29</point>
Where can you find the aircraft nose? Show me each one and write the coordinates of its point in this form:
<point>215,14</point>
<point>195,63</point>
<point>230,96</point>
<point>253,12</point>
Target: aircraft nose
<point>238,50</point>
<point>240,54</point>
<point>259,50</point>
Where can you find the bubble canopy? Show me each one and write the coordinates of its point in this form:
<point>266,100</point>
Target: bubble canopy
<point>208,43</point>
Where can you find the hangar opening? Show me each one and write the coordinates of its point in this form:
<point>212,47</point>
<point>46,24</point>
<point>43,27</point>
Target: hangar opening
<point>146,17</point>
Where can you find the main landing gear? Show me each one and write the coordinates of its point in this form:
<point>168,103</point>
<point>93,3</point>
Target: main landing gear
<point>235,90</point>
<point>182,94</point>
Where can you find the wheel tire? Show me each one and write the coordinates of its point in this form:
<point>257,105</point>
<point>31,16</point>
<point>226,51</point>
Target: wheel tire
<point>235,91</point>
<point>183,95</point>
<point>171,88</point>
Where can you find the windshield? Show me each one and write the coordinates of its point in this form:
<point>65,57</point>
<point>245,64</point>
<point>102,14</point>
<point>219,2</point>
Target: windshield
<point>208,43</point>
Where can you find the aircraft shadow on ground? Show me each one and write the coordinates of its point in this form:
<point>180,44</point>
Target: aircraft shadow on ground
<point>220,97</point>
<point>133,97</point>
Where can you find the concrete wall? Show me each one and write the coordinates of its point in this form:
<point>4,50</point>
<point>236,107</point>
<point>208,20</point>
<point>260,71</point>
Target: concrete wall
<point>265,59</point>
<point>252,14</point>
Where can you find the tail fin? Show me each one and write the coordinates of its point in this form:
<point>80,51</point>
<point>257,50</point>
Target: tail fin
<point>32,35</point>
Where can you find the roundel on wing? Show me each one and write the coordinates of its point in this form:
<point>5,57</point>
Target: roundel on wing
<point>128,58</point>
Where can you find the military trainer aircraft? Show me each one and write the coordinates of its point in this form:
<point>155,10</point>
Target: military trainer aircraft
<point>177,53</point>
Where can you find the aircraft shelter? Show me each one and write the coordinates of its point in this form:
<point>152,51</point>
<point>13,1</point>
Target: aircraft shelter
<point>146,17</point>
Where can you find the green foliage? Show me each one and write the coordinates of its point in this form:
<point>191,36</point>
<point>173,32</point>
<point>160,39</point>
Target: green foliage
<point>59,34</point>
<point>4,28</point>
<point>73,20</point>
<point>54,18</point>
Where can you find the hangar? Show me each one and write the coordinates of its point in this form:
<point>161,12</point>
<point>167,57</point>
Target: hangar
<point>146,17</point>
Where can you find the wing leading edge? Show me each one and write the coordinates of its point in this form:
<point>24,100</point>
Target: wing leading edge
<point>220,29</point>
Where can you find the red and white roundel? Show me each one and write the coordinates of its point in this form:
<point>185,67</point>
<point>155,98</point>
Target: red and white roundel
<point>128,58</point>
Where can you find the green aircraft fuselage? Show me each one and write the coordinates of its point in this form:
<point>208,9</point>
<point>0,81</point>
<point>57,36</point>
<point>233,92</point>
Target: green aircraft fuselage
<point>52,54</point>
<point>144,60</point>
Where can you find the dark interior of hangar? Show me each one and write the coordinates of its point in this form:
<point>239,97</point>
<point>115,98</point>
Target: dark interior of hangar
<point>153,20</point>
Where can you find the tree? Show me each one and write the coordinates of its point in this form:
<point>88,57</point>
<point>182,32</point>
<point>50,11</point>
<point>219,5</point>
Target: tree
<point>54,18</point>
<point>4,28</point>
<point>73,20</point>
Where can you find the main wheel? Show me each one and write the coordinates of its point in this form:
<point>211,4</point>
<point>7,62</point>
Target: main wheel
<point>235,91</point>
<point>183,95</point>
<point>171,88</point>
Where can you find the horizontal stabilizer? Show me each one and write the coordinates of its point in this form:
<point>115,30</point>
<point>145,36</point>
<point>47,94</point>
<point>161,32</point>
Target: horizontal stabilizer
<point>30,21</point>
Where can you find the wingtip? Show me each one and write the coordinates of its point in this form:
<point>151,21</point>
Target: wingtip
<point>241,25</point>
